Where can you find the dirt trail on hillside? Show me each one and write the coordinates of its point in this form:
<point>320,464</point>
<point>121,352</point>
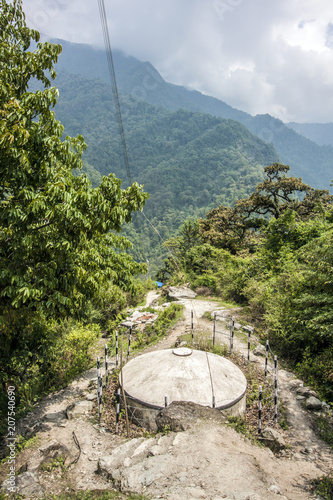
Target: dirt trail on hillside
<point>207,461</point>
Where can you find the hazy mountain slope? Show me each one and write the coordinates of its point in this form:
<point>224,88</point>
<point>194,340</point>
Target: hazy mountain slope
<point>321,133</point>
<point>140,79</point>
<point>308,160</point>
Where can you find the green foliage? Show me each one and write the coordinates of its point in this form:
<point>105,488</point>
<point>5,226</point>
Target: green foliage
<point>324,429</point>
<point>273,253</point>
<point>60,251</point>
<point>238,424</point>
<point>56,245</point>
<point>188,162</point>
<point>71,355</point>
<point>21,443</point>
<point>287,234</point>
<point>54,464</point>
<point>152,333</point>
<point>323,486</point>
<point>166,319</point>
<point>207,315</point>
<point>65,353</point>
<point>275,197</point>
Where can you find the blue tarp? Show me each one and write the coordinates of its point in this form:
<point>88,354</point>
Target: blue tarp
<point>159,284</point>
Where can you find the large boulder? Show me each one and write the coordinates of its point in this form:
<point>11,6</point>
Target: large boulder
<point>78,409</point>
<point>180,415</point>
<point>307,392</point>
<point>295,384</point>
<point>272,439</point>
<point>27,484</point>
<point>180,292</point>
<point>313,403</point>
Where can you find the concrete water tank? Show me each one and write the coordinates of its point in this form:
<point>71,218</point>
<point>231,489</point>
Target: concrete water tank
<point>182,374</point>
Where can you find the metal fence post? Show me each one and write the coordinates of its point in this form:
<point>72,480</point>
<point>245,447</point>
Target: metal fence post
<point>260,408</point>
<point>275,390</point>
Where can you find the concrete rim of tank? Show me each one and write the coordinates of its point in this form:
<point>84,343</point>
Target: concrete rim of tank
<point>194,377</point>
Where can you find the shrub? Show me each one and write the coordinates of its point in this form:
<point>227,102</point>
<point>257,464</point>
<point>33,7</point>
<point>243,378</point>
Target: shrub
<point>72,354</point>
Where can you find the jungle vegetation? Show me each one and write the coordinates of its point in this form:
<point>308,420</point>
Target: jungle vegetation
<point>272,253</point>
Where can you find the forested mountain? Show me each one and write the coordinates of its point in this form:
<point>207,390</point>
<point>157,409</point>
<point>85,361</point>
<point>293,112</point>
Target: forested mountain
<point>307,159</point>
<point>139,79</point>
<point>188,162</point>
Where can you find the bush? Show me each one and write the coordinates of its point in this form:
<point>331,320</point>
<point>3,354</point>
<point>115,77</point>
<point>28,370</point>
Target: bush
<point>323,486</point>
<point>317,370</point>
<point>207,279</point>
<point>72,354</point>
<point>233,277</point>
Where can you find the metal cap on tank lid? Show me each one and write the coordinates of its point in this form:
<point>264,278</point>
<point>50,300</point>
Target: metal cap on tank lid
<point>182,351</point>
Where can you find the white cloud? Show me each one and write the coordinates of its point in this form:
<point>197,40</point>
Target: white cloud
<point>257,55</point>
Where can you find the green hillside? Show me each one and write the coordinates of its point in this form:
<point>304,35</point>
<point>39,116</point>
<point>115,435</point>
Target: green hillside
<point>168,151</point>
<point>188,162</point>
<point>300,148</point>
<point>140,80</point>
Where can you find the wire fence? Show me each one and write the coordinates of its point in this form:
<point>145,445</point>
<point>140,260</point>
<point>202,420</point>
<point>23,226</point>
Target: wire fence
<point>144,416</point>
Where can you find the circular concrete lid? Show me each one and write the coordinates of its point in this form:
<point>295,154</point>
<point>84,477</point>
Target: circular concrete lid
<point>182,351</point>
<point>195,376</point>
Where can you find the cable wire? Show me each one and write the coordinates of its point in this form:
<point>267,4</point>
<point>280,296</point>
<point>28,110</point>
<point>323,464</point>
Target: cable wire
<point>114,84</point>
<point>109,56</point>
<point>76,441</point>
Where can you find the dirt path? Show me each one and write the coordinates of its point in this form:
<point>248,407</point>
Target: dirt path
<point>207,461</point>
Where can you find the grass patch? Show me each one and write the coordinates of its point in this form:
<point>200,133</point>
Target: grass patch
<point>203,342</point>
<point>324,429</point>
<point>323,486</point>
<point>21,444</point>
<point>55,464</point>
<point>84,495</point>
<point>238,424</point>
<point>152,333</point>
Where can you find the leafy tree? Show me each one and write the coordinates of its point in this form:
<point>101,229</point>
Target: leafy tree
<point>58,236</point>
<point>227,227</point>
<point>224,227</point>
<point>288,233</point>
<point>298,311</point>
<point>272,196</point>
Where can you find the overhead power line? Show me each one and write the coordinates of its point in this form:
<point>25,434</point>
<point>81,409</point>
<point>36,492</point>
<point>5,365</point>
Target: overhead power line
<point>114,84</point>
<point>109,57</point>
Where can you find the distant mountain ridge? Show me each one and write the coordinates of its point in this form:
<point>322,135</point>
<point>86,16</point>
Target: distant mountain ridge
<point>307,159</point>
<point>141,80</point>
<point>321,133</point>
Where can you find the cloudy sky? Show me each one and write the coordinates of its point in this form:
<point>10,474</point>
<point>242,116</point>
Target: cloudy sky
<point>260,56</point>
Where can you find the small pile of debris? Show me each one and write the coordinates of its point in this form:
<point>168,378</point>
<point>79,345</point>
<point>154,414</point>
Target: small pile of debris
<point>138,318</point>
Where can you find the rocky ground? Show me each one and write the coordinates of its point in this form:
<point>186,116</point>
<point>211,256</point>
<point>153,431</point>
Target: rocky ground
<point>207,460</point>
